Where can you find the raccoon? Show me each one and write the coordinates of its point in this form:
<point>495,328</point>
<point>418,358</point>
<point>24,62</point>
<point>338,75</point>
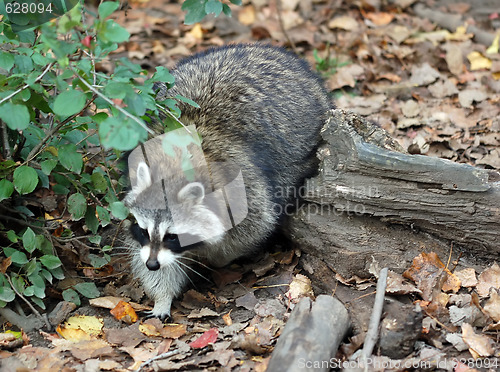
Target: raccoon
<point>261,109</point>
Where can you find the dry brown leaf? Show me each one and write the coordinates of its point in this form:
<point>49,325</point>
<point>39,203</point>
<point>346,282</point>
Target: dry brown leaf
<point>479,345</point>
<point>380,18</point>
<point>489,278</point>
<point>492,306</point>
<point>467,277</point>
<point>173,330</point>
<point>299,287</point>
<point>344,22</point>
<point>227,318</point>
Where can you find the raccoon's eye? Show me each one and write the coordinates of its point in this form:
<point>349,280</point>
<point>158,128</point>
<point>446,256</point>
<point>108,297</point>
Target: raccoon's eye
<point>170,237</point>
<point>141,235</point>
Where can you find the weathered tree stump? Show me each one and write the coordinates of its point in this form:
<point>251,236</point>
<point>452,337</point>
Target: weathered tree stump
<point>371,200</point>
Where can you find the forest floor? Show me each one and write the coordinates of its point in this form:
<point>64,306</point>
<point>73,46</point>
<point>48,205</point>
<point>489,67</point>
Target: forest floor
<point>436,90</point>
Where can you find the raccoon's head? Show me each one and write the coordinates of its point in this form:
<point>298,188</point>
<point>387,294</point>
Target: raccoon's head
<point>169,224</point>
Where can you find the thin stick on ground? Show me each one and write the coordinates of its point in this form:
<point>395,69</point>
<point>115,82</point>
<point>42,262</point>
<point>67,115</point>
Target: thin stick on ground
<point>372,334</point>
<point>158,357</point>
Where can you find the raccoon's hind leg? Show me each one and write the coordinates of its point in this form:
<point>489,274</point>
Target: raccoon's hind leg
<point>161,285</point>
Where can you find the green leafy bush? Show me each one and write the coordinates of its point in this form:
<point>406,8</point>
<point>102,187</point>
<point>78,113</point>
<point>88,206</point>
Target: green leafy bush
<point>63,127</point>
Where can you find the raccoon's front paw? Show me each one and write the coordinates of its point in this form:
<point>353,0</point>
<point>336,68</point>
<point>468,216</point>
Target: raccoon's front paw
<point>161,309</point>
<point>148,314</point>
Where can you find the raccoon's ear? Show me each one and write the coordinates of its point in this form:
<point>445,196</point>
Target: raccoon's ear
<point>143,175</point>
<point>193,192</point>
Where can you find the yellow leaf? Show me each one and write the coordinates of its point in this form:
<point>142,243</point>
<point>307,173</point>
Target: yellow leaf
<point>197,32</point>
<point>149,330</point>
<point>81,327</point>
<point>460,34</point>
<point>493,48</point>
<point>52,150</point>
<point>478,61</point>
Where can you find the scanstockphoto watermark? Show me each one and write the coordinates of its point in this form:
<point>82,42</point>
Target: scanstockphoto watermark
<point>173,166</point>
<point>380,363</point>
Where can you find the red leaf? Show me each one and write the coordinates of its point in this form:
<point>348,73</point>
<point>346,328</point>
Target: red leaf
<point>209,337</point>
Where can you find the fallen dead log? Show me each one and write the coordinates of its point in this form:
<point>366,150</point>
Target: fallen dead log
<point>371,200</point>
<point>311,336</point>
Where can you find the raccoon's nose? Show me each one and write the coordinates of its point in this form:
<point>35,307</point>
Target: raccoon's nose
<point>152,264</point>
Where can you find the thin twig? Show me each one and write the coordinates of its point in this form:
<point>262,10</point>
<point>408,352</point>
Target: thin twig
<point>35,151</point>
<point>35,311</point>
<point>378,305</point>
<point>124,112</point>
<point>282,26</point>
<point>158,357</point>
<point>27,85</point>
<point>5,141</point>
<point>173,117</point>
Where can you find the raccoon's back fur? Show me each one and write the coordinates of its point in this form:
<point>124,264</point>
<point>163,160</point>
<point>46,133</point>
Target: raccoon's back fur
<point>261,108</point>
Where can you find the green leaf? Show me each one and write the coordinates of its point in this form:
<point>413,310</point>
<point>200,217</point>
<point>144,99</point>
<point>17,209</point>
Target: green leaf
<point>29,241</point>
<point>70,158</point>
<point>226,10</point>
<point>119,210</point>
<point>195,11</point>
<point>50,262</point>
<point>96,239</point>
<point>7,294</point>
<point>103,215</point>
<point>22,64</point>
<point>91,220</point>
<point>25,179</point>
<point>118,90</point>
<point>32,267</point>
<point>38,302</point>
<point>121,134</point>
<point>88,290</point>
<point>98,261</point>
<point>69,102</point>
<point>77,206</point>
<point>187,100</point>
<point>235,2</point>
<point>106,8</point>
<point>6,189</point>
<point>58,273</point>
<point>16,117</point>
<point>6,60</point>
<point>29,291</point>
<point>47,275</point>
<point>70,295</point>
<point>113,33</point>
<point>99,182</point>
<point>38,284</point>
<point>162,74</point>
<point>19,258</point>
<point>48,165</point>
<point>213,6</point>
<point>11,235</point>
<point>18,283</point>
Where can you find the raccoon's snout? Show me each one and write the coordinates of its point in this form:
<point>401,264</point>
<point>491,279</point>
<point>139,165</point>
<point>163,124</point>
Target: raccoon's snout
<point>152,264</point>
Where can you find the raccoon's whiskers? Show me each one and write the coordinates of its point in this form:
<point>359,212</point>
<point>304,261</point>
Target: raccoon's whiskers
<point>197,262</point>
<point>193,270</point>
